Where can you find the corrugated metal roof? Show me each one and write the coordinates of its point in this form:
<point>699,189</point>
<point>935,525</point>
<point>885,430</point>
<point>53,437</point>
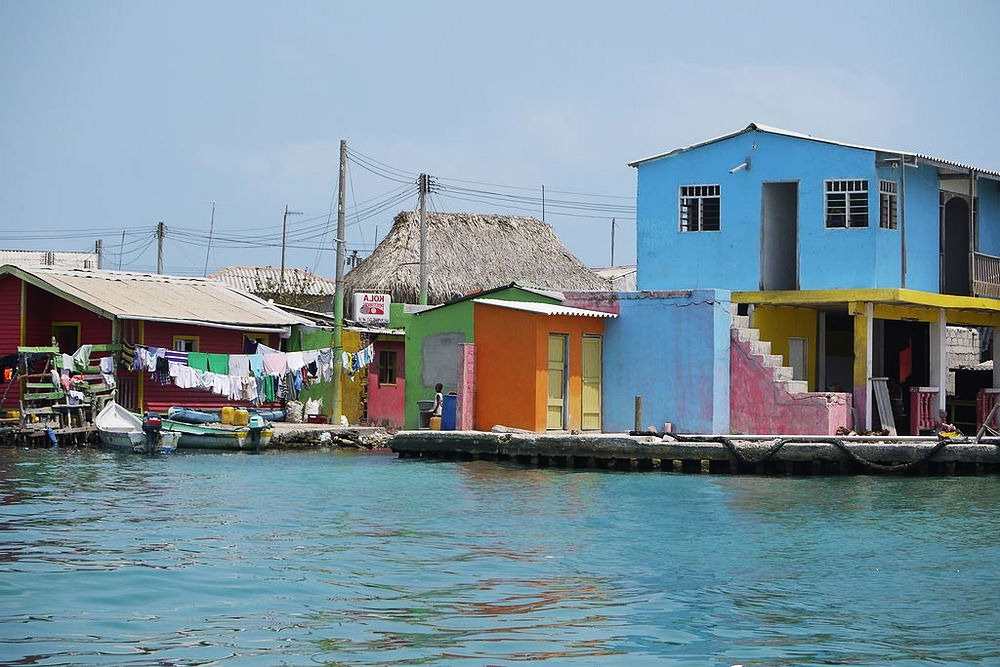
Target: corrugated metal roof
<point>267,279</point>
<point>148,296</point>
<point>620,278</point>
<point>544,308</point>
<point>759,127</point>
<point>79,260</point>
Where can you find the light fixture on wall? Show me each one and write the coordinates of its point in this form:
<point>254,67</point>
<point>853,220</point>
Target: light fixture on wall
<point>740,167</point>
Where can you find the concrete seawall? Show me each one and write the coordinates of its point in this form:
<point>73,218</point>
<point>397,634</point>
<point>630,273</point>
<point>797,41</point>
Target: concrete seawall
<point>800,455</point>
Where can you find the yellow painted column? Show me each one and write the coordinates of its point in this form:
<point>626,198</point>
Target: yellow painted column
<point>863,316</point>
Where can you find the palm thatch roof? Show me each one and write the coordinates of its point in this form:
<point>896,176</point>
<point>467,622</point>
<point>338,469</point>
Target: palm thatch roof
<point>468,252</point>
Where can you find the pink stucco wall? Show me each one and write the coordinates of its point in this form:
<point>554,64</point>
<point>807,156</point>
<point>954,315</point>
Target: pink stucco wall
<point>759,405</point>
<point>465,416</point>
<point>386,403</point>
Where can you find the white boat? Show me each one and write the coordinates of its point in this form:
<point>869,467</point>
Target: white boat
<point>122,430</point>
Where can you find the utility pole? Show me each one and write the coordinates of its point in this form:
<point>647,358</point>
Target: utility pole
<point>543,203</point>
<point>211,226</point>
<point>612,241</point>
<point>121,251</point>
<point>99,251</point>
<point>284,233</point>
<point>161,231</point>
<point>338,299</point>
<point>422,184</point>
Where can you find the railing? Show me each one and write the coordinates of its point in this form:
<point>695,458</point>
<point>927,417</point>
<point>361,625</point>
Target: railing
<point>985,275</point>
<point>923,409</point>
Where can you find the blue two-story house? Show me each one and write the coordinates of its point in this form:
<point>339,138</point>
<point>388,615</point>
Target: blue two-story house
<point>850,260</point>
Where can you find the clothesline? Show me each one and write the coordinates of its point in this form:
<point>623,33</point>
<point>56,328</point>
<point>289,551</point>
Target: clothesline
<point>263,376</point>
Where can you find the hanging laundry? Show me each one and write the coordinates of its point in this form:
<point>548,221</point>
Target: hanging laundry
<point>257,364</point>
<point>275,363</point>
<point>128,355</point>
<point>162,372</point>
<point>177,356</point>
<point>294,360</point>
<point>239,365</point>
<point>67,361</point>
<point>249,345</point>
<point>269,388</point>
<point>107,364</point>
<point>81,358</point>
<point>309,357</point>
<point>218,363</point>
<point>138,358</point>
<point>56,382</point>
<point>323,360</point>
<point>198,361</point>
<point>264,349</point>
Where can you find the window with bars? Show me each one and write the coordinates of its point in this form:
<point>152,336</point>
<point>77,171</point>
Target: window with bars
<point>700,208</point>
<point>847,203</point>
<point>386,367</point>
<point>888,215</point>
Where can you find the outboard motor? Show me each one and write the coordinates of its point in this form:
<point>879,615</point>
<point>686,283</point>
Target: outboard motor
<point>151,426</point>
<point>256,425</point>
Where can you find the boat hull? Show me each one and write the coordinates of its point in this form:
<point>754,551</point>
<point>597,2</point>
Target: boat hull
<point>217,436</point>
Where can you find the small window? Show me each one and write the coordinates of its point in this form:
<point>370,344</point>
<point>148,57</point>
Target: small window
<point>700,208</point>
<point>888,214</point>
<point>846,203</point>
<point>185,343</point>
<point>387,367</point>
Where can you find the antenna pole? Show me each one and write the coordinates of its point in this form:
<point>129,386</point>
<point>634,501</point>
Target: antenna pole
<point>161,231</point>
<point>422,182</point>
<point>543,203</point>
<point>338,299</point>
<point>612,241</point>
<point>99,251</point>
<point>211,227</point>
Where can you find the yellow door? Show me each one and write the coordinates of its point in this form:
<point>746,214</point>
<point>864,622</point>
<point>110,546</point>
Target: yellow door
<point>555,414</point>
<point>591,411</point>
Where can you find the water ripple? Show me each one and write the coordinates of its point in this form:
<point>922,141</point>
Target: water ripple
<point>322,558</point>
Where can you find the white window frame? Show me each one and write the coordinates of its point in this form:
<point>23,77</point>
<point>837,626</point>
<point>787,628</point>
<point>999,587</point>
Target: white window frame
<point>702,192</point>
<point>847,187</point>
<point>888,204</point>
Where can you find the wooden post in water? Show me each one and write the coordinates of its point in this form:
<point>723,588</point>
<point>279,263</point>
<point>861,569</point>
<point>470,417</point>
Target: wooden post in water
<point>638,413</point>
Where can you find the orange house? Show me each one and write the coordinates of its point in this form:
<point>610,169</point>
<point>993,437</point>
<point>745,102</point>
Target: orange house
<point>538,366</point>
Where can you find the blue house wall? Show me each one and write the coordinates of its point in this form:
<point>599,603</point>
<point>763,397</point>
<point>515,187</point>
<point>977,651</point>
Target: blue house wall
<point>672,348</point>
<point>828,258</point>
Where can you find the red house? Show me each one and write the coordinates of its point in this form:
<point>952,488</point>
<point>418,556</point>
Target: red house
<point>39,305</point>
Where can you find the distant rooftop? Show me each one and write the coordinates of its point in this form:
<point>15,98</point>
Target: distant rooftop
<point>75,260</point>
<point>267,279</point>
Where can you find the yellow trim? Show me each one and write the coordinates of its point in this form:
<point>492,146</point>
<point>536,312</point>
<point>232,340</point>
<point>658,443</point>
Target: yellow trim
<point>140,379</point>
<point>192,339</point>
<point>24,313</point>
<point>76,325</point>
<point>962,310</point>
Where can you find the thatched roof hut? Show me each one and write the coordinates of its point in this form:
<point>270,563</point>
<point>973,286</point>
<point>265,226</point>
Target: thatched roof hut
<point>468,252</point>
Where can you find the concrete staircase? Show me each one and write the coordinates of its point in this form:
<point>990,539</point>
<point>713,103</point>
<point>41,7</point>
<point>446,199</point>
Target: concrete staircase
<point>763,397</point>
<point>762,349</point>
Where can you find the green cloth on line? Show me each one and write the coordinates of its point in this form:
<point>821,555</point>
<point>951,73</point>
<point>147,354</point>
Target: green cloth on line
<point>198,361</point>
<point>218,363</point>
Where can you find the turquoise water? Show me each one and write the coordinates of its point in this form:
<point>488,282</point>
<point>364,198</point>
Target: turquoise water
<point>327,558</point>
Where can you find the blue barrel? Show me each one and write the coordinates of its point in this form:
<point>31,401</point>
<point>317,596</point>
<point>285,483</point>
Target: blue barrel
<point>448,409</point>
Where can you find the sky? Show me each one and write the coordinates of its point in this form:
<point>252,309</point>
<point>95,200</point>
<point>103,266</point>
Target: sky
<point>117,115</point>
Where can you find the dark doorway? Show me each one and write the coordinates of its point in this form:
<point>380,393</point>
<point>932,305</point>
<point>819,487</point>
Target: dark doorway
<point>66,337</point>
<point>906,364</point>
<point>779,236</point>
<point>955,247</point>
<point>838,353</point>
